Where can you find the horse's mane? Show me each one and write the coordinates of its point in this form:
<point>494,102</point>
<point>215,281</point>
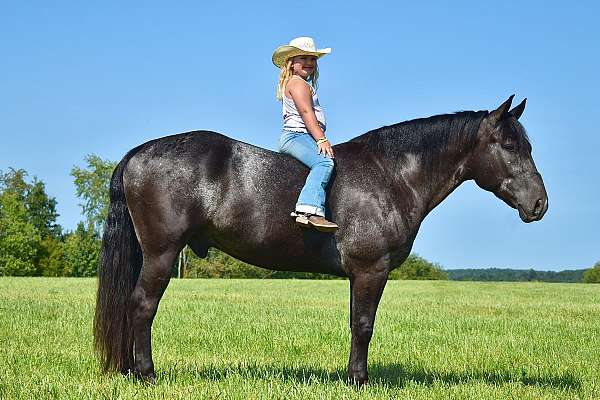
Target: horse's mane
<point>425,136</point>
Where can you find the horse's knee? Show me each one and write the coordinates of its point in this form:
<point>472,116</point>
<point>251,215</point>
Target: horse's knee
<point>363,328</point>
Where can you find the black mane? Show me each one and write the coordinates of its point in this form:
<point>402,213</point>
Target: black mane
<point>425,136</point>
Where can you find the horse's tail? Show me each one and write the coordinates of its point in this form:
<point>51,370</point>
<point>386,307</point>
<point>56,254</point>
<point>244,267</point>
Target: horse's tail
<point>120,265</point>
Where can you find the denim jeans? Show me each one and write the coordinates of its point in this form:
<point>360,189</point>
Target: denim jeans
<point>303,147</point>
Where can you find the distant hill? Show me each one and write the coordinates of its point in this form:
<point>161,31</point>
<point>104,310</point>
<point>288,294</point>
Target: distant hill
<point>515,275</point>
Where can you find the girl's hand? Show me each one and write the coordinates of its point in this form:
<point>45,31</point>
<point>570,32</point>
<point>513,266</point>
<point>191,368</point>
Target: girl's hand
<point>325,149</point>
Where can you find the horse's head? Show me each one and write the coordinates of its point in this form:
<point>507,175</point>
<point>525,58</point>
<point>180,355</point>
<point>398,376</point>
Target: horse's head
<point>501,163</point>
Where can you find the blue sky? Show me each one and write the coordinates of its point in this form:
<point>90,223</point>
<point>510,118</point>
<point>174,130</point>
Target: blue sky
<point>79,78</point>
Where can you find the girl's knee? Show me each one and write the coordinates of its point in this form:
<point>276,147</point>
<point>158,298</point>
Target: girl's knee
<point>327,162</point>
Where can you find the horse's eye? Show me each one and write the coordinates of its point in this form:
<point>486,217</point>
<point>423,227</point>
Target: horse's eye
<point>509,145</point>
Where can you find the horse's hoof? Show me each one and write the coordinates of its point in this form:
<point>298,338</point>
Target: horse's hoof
<point>358,380</point>
<point>149,378</point>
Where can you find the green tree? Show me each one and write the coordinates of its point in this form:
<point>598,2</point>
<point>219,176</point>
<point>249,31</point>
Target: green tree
<point>417,268</point>
<point>35,209</point>
<point>14,182</point>
<point>92,185</point>
<point>81,251</point>
<point>592,275</point>
<point>82,246</point>
<point>52,262</point>
<point>19,238</point>
<point>42,210</point>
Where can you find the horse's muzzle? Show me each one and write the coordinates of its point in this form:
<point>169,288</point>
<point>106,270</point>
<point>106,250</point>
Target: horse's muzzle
<point>534,213</point>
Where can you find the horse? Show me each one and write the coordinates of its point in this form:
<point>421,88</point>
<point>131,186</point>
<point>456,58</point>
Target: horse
<point>204,190</point>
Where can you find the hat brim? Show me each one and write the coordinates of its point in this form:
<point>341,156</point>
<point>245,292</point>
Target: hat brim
<point>282,53</point>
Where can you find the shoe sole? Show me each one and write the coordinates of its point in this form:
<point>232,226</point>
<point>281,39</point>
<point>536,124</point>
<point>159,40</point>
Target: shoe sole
<point>304,222</point>
<point>323,228</point>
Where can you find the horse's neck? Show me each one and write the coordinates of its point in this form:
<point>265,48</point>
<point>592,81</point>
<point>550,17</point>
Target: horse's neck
<point>452,173</point>
<point>429,187</point>
<point>426,159</point>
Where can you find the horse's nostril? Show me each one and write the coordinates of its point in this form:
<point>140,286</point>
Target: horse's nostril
<point>538,207</point>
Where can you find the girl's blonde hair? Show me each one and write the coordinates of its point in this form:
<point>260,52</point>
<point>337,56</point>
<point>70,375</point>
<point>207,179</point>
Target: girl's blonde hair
<point>286,74</point>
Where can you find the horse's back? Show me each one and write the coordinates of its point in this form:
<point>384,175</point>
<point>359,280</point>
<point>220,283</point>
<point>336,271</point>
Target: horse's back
<point>204,168</point>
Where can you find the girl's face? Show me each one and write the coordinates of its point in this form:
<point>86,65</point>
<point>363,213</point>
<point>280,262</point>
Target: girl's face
<point>304,65</point>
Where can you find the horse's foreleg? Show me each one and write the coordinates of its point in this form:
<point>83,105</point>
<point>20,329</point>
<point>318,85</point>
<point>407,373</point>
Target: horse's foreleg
<point>366,290</point>
<point>153,280</point>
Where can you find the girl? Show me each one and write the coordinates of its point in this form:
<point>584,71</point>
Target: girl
<point>303,135</point>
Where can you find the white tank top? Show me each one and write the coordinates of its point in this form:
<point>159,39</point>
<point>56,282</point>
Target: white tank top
<point>291,117</point>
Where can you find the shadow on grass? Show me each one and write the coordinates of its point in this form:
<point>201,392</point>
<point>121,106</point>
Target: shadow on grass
<point>399,375</point>
<point>391,375</point>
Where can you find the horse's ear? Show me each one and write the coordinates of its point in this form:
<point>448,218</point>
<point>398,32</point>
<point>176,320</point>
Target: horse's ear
<point>501,111</point>
<point>518,110</point>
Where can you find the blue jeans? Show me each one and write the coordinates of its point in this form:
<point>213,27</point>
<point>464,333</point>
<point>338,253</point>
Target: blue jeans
<point>303,147</point>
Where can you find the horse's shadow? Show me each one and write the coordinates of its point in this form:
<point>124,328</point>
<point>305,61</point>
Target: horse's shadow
<point>391,375</point>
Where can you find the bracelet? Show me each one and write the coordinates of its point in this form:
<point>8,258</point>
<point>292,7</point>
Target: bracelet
<point>322,140</point>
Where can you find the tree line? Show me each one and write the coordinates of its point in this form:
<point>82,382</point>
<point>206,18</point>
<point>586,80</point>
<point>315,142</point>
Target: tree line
<point>32,243</point>
<point>528,275</point>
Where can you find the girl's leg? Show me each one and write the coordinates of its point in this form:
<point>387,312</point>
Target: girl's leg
<point>304,148</point>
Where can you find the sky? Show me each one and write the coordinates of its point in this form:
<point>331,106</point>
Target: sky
<point>78,78</point>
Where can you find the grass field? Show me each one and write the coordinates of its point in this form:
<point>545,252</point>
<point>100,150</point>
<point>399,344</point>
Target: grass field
<point>290,339</point>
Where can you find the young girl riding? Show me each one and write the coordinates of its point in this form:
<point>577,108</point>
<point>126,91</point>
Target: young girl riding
<point>303,135</point>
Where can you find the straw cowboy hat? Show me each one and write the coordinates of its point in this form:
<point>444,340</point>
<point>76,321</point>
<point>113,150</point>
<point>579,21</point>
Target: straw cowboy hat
<point>297,47</point>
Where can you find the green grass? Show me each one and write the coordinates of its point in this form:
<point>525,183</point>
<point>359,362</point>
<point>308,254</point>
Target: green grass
<point>290,339</point>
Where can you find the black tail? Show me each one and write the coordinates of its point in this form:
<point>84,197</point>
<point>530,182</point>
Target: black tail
<point>120,265</point>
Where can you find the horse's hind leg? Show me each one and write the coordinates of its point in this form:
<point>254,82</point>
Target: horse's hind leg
<point>153,280</point>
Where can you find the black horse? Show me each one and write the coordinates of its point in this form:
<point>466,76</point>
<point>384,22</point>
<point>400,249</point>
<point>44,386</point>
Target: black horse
<point>206,190</point>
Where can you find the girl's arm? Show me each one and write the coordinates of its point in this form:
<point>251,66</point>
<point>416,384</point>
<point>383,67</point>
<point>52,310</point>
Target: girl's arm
<point>300,93</point>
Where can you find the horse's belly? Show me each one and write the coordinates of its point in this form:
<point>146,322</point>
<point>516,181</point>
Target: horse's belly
<point>310,251</point>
